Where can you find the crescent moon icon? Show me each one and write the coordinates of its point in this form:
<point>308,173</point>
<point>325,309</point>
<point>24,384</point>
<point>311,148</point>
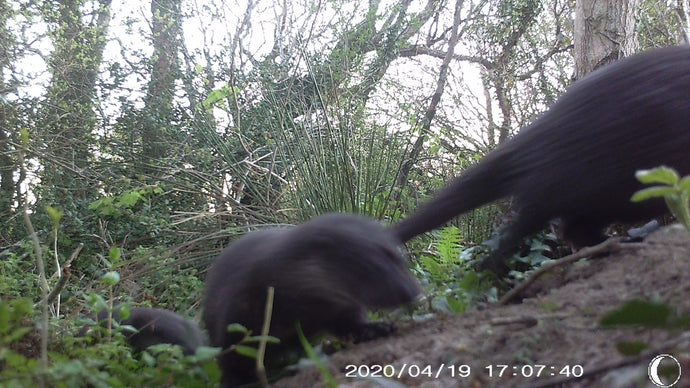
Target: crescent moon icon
<point>653,370</point>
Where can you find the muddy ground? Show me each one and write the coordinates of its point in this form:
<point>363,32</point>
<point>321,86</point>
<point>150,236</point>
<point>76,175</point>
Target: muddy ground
<point>556,326</point>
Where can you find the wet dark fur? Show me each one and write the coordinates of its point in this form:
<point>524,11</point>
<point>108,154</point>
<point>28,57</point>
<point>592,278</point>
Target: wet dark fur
<point>158,326</point>
<point>326,273</point>
<point>578,160</point>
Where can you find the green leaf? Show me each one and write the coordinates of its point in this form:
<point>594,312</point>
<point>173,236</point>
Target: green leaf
<point>652,192</point>
<point>246,351</point>
<point>661,174</point>
<point>469,282</point>
<point>4,317</point>
<point>431,265</point>
<point>639,313</point>
<point>148,359</point>
<point>55,215</point>
<point>130,199</point>
<point>684,184</point>
<point>114,255</point>
<point>678,204</point>
<point>17,334</point>
<point>97,302</point>
<point>448,244</point>
<point>455,305</point>
<point>124,314</point>
<point>237,328</point>
<point>206,352</point>
<point>97,203</point>
<point>111,278</point>
<point>22,307</point>
<point>215,96</point>
<point>258,338</point>
<point>104,206</point>
<point>24,137</point>
<point>14,361</point>
<point>328,379</point>
<point>212,370</point>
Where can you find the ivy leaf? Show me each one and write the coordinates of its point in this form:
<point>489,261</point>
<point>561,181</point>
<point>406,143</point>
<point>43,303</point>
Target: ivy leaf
<point>130,199</point>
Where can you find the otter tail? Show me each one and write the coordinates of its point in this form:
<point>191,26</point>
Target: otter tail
<point>480,184</point>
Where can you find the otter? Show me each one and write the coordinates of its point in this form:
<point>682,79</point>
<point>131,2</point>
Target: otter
<point>157,326</point>
<point>326,274</point>
<point>577,161</point>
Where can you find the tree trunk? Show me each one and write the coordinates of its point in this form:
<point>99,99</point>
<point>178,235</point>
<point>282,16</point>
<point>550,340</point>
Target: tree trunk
<point>157,114</point>
<point>68,114</point>
<point>604,33</point>
<point>435,99</point>
<point>683,11</point>
<point>7,164</point>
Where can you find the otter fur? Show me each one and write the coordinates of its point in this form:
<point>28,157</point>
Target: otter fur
<point>157,326</point>
<point>326,274</point>
<point>577,161</point>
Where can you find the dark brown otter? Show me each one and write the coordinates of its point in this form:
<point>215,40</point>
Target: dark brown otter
<point>577,161</point>
<point>326,274</point>
<point>157,326</point>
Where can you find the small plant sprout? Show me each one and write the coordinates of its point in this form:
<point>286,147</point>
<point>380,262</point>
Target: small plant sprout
<point>674,189</point>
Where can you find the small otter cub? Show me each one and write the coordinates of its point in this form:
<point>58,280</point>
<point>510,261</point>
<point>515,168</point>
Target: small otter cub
<point>157,326</point>
<point>326,274</point>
